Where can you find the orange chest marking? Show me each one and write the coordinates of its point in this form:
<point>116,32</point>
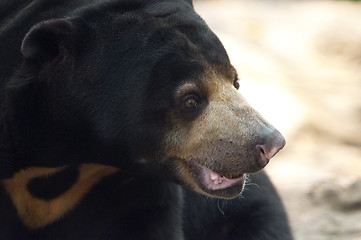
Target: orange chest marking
<point>37,213</point>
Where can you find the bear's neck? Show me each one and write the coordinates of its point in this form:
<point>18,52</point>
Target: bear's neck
<point>29,135</point>
<point>35,132</point>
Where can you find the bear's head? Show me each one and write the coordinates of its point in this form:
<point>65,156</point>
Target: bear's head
<point>144,86</point>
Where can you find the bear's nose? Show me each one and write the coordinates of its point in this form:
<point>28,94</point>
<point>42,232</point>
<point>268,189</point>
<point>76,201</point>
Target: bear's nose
<point>266,151</point>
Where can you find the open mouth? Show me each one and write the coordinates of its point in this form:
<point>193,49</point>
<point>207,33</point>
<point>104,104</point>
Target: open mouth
<point>224,185</point>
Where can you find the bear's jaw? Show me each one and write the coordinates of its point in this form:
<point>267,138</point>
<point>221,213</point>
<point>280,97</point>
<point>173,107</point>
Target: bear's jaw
<point>218,184</point>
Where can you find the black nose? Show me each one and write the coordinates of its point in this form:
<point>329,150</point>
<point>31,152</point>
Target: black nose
<point>272,145</point>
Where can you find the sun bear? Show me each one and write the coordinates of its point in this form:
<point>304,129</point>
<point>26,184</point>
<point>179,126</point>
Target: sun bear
<point>122,120</point>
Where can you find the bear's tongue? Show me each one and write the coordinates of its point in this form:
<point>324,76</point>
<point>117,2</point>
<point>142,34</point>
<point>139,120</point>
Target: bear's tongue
<point>217,181</point>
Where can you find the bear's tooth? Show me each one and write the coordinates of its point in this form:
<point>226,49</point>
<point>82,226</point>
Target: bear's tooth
<point>214,176</point>
<point>218,181</point>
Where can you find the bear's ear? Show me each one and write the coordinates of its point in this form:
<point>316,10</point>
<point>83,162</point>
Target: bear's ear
<point>46,39</point>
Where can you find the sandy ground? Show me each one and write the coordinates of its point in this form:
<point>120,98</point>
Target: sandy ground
<point>300,65</point>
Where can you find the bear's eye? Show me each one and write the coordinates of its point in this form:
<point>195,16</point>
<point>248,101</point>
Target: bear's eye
<point>191,102</point>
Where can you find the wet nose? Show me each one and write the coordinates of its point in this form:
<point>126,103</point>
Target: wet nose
<point>272,145</point>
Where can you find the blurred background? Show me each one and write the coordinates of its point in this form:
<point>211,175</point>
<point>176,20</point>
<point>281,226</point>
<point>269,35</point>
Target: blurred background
<point>300,66</point>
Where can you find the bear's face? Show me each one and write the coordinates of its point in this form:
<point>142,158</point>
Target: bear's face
<point>213,137</point>
<point>155,93</point>
<point>213,151</point>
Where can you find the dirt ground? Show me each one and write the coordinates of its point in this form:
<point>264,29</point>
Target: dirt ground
<point>300,65</point>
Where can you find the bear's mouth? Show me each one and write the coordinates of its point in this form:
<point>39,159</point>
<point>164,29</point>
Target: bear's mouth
<point>224,185</point>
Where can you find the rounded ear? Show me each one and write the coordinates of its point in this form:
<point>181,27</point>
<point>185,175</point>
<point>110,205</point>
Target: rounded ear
<point>45,40</point>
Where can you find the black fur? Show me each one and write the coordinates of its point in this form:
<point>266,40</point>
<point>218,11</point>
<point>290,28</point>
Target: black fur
<point>93,82</point>
<point>52,186</point>
<point>155,213</point>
